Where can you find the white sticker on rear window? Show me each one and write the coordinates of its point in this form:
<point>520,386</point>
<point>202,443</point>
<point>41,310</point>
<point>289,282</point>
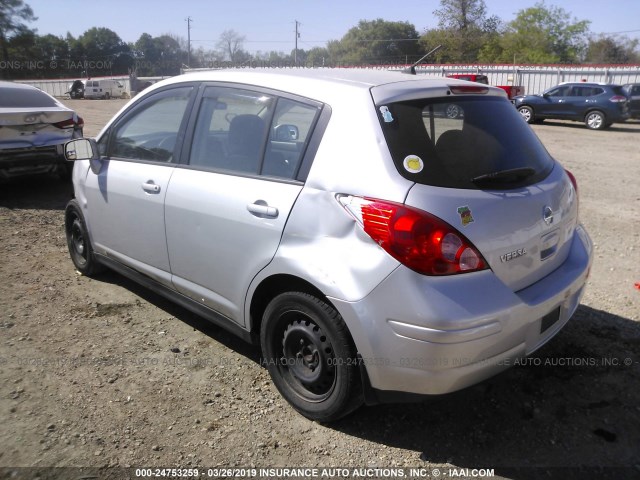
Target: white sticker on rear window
<point>386,114</point>
<point>413,164</point>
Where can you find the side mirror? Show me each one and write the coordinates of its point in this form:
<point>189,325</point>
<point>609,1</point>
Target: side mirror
<point>81,149</point>
<point>286,133</point>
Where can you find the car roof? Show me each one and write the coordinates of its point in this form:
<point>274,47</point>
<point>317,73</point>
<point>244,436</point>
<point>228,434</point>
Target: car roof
<point>5,84</point>
<point>589,84</point>
<point>326,84</point>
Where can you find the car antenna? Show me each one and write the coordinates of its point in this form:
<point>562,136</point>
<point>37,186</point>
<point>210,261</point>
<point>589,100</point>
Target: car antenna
<point>412,69</point>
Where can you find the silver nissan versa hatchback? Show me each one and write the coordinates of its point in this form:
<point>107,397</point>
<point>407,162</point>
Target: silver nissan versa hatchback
<point>371,245</point>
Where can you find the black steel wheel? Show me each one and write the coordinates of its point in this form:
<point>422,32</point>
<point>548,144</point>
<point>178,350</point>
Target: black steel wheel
<point>310,356</point>
<point>78,241</point>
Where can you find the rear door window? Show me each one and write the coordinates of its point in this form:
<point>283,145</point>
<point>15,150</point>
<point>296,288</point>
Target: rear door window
<point>251,132</point>
<point>485,137</point>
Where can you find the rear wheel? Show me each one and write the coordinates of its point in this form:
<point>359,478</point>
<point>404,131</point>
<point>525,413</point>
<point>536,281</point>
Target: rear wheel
<point>310,356</point>
<point>80,248</point>
<point>107,96</point>
<point>453,111</point>
<point>527,113</point>
<point>595,120</point>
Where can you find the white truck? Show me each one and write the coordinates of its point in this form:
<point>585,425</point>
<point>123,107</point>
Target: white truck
<point>104,88</point>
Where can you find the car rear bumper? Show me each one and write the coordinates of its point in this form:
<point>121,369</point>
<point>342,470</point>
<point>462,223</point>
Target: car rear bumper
<point>428,335</point>
<point>18,162</point>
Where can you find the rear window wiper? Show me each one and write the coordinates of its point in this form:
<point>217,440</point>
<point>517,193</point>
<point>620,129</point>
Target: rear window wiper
<point>505,176</point>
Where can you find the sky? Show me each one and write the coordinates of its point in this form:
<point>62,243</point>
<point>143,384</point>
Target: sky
<point>270,24</point>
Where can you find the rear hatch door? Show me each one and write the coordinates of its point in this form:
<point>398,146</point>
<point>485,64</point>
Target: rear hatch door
<point>484,172</point>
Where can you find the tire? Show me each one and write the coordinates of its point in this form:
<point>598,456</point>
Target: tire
<point>311,357</point>
<point>107,96</point>
<point>527,113</point>
<point>452,111</point>
<point>595,120</point>
<point>80,248</point>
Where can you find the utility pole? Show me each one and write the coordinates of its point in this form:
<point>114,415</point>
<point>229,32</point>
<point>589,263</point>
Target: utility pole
<point>295,52</point>
<point>189,41</point>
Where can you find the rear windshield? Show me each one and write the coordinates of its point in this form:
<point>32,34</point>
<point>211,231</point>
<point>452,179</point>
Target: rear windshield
<point>25,98</point>
<point>463,142</point>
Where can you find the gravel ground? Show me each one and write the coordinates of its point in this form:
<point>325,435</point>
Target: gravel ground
<point>103,373</point>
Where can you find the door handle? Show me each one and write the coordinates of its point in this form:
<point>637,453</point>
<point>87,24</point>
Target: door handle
<point>262,210</point>
<point>151,187</point>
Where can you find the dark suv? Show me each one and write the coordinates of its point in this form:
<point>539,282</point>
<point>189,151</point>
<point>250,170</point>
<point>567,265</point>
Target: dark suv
<point>598,105</point>
<point>633,93</point>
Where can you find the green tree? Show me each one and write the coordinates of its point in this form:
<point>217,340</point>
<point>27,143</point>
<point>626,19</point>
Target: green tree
<point>461,15</point>
<point>542,34</point>
<point>606,49</point>
<point>376,42</point>
<point>13,14</point>
<point>463,30</point>
<point>105,52</point>
<point>53,51</point>
<point>317,57</point>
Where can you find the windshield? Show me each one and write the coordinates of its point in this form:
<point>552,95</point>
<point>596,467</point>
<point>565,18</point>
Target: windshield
<point>463,142</point>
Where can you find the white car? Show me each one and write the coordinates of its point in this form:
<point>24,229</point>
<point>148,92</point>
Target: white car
<point>371,245</point>
<point>34,127</point>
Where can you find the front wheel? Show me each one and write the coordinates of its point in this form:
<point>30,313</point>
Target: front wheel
<point>527,113</point>
<point>310,356</point>
<point>80,248</point>
<point>595,120</point>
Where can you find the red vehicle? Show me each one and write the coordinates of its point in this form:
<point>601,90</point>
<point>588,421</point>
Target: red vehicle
<point>511,90</point>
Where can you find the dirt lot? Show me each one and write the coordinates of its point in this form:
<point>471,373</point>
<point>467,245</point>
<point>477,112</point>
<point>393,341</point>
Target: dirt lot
<point>103,373</point>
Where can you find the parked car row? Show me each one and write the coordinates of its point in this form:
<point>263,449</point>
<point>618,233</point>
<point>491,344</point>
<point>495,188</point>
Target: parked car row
<point>598,105</point>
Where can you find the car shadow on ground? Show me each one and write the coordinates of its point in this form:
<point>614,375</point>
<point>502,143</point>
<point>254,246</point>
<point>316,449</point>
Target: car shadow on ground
<point>195,321</point>
<point>571,410</point>
<point>46,192</point>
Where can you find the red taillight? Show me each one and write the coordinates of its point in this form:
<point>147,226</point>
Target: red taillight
<point>468,89</point>
<point>574,182</point>
<point>618,99</point>
<point>573,179</point>
<point>415,238</point>
<point>75,121</point>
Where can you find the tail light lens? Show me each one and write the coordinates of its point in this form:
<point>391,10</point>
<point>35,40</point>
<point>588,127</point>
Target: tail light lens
<point>74,122</point>
<point>618,99</point>
<point>468,89</point>
<point>417,239</point>
<point>575,184</point>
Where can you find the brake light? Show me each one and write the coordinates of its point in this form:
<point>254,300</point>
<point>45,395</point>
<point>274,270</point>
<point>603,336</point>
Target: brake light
<point>417,239</point>
<point>468,89</point>
<point>573,179</point>
<point>618,99</point>
<point>575,185</point>
<point>76,121</point>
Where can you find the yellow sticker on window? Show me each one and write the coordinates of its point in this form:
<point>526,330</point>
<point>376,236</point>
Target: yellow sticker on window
<point>413,164</point>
